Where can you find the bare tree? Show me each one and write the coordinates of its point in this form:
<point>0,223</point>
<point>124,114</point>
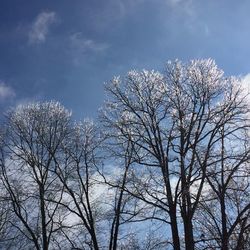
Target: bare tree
<point>120,199</point>
<point>77,171</point>
<point>174,118</point>
<point>34,133</point>
<point>171,155</point>
<point>122,208</point>
<point>226,205</point>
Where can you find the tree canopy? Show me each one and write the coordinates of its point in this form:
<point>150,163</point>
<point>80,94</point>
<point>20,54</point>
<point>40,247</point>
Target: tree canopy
<point>165,166</point>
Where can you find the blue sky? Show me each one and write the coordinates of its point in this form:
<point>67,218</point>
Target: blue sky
<point>66,49</point>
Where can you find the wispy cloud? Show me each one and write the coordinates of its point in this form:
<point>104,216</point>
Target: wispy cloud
<point>174,2</point>
<point>6,92</point>
<point>188,13</point>
<point>40,27</point>
<point>113,12</point>
<point>185,8</point>
<point>245,81</point>
<point>83,44</point>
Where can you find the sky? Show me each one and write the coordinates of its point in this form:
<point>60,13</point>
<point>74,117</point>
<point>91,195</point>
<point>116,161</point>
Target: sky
<point>65,50</point>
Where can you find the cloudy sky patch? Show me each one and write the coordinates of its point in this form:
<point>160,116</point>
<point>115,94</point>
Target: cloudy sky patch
<point>83,44</point>
<point>246,86</point>
<point>76,46</point>
<point>40,27</point>
<point>6,92</point>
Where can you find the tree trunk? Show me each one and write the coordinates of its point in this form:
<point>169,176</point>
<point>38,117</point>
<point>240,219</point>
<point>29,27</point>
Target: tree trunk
<point>172,209</point>
<point>94,240</point>
<point>43,218</point>
<point>174,229</point>
<point>189,237</point>
<point>224,244</point>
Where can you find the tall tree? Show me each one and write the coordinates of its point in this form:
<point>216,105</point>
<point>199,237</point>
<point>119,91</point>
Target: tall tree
<point>225,204</point>
<point>175,119</point>
<point>77,172</point>
<point>33,137</point>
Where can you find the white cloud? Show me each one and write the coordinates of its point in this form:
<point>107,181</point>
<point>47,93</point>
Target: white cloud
<point>40,27</point>
<point>113,12</point>
<point>82,44</point>
<point>187,11</point>
<point>245,81</point>
<point>174,2</point>
<point>6,92</point>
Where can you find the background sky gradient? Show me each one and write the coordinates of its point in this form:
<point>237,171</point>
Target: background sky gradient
<point>66,49</point>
